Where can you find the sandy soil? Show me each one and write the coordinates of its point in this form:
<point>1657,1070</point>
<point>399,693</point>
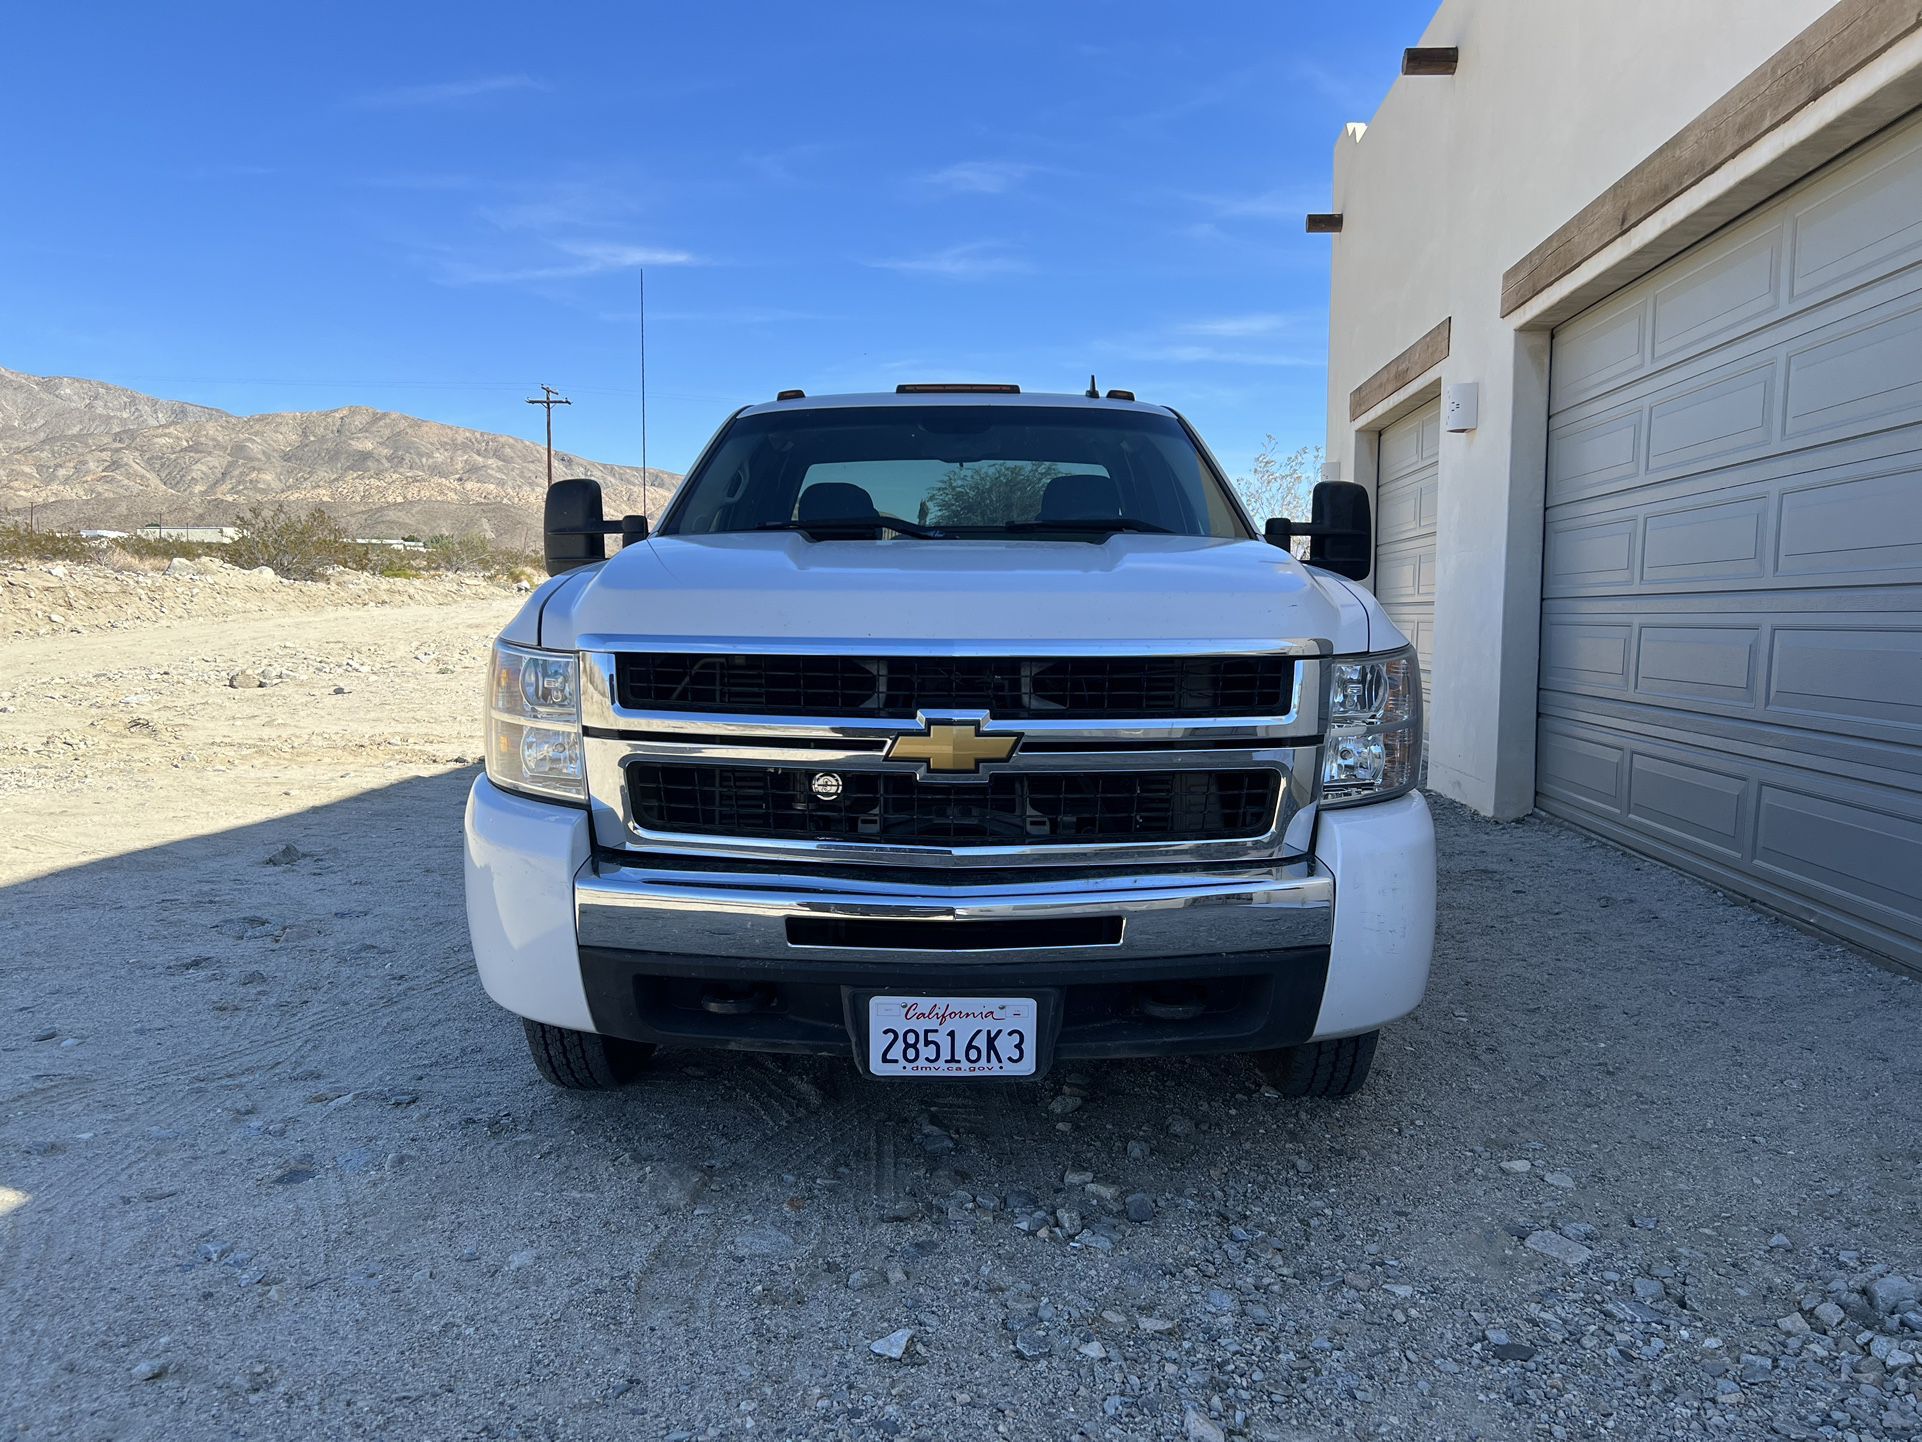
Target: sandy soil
<point>271,1165</point>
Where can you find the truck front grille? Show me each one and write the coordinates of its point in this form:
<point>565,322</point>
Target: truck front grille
<point>1010,687</point>
<point>1009,808</point>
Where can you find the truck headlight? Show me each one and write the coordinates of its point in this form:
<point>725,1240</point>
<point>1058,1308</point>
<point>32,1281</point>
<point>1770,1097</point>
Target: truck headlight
<point>534,723</point>
<point>1373,749</point>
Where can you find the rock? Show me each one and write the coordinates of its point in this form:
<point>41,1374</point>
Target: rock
<point>1576,1231</point>
<point>1645,1224</point>
<point>1554,1244</point>
<point>1154,1324</point>
<point>903,1211</point>
<point>1398,1289</point>
<point>1074,1177</point>
<point>1221,1300</point>
<point>517,1260</point>
<point>1517,1166</point>
<point>1180,1126</point>
<point>287,855</point>
<point>1780,1243</point>
<point>1102,1191</point>
<point>179,566</point>
<point>1795,1324</point>
<point>1830,1315</point>
<point>894,1345</point>
<point>1092,1350</point>
<point>1199,1427</point>
<point>1138,1151</point>
<point>46,1033</point>
<point>863,1279</point>
<point>1560,1179</point>
<point>1890,1294</point>
<point>1068,1220</point>
<point>1140,1207</point>
<point>1065,1104</point>
<point>1647,1289</point>
<point>1031,1343</point>
<point>151,1370</point>
<point>1513,1351</point>
<point>244,681</point>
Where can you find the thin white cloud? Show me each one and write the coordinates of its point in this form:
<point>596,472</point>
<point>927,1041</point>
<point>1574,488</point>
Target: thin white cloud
<point>980,177</point>
<point>1187,354</point>
<point>590,258</point>
<point>444,92</point>
<point>972,261</point>
<point>1252,323</point>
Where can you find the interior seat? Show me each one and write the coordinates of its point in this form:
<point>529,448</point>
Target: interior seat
<point>1080,498</point>
<point>835,501</point>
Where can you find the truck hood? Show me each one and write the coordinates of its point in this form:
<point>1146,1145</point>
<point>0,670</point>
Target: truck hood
<point>783,591</point>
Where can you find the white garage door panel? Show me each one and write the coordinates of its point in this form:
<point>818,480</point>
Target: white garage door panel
<point>1731,654</point>
<point>1406,497</point>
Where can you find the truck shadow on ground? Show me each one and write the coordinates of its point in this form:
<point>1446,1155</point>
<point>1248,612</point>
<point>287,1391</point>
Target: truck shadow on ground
<point>262,1124</point>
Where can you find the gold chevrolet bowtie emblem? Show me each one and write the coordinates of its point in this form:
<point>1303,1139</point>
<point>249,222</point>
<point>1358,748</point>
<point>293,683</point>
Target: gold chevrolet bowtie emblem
<point>950,747</point>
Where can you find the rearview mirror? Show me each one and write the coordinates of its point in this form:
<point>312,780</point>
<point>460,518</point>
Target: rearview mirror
<point>1341,537</point>
<point>573,529</point>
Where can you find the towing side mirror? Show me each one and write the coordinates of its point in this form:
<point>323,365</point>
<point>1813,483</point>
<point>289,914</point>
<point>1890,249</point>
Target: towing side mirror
<point>1341,537</point>
<point>573,529</point>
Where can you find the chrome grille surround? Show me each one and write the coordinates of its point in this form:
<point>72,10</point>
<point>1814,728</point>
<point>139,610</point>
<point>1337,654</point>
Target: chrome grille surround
<point>1288,744</point>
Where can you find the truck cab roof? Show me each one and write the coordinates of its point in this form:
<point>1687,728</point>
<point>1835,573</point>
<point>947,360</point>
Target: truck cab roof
<point>958,397</point>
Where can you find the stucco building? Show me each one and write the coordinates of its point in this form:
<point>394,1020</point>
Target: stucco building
<point>1665,570</point>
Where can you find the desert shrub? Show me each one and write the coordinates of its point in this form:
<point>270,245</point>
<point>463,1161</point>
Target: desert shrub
<point>296,545</point>
<point>17,543</point>
<point>472,554</point>
<point>163,549</point>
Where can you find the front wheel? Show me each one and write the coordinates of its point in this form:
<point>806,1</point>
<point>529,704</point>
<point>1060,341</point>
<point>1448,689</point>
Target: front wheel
<point>584,1060</point>
<point>1321,1068</point>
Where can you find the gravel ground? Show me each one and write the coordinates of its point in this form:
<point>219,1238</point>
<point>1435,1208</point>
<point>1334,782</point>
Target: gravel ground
<point>1646,1164</point>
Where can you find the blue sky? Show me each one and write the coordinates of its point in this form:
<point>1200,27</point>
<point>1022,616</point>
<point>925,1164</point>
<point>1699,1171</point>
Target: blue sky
<point>434,209</point>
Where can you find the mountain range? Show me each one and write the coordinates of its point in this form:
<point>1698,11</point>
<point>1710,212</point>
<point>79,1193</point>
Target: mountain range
<point>85,454</point>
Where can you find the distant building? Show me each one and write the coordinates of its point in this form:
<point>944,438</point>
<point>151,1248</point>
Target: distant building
<point>394,543</point>
<point>102,535</point>
<point>207,535</point>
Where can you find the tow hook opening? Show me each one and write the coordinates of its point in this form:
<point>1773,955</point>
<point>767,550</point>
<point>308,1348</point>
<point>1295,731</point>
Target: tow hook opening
<point>738,999</point>
<point>1171,1000</point>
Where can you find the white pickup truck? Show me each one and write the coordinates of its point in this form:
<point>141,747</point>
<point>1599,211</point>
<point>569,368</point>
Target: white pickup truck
<point>961,732</point>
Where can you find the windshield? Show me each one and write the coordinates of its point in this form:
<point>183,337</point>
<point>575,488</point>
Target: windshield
<point>956,472</point>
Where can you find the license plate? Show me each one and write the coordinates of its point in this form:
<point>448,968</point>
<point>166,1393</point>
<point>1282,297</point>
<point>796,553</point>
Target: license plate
<point>951,1035</point>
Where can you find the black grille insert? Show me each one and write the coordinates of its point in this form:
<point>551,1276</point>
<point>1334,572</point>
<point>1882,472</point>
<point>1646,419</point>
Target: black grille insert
<point>1012,687</point>
<point>1009,808</point>
<point>882,934</point>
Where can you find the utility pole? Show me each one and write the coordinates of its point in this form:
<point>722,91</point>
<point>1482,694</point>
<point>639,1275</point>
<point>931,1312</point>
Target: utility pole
<point>549,399</point>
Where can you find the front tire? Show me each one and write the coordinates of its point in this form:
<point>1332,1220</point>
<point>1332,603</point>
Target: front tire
<point>584,1060</point>
<point>1334,1068</point>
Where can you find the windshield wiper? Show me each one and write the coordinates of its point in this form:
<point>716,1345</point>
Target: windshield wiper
<point>856,525</point>
<point>1108,525</point>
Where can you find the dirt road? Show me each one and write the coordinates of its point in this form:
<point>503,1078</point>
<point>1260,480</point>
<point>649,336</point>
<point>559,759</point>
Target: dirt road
<point>271,1165</point>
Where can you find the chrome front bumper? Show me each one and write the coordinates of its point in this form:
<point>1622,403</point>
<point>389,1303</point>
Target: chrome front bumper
<point>625,905</point>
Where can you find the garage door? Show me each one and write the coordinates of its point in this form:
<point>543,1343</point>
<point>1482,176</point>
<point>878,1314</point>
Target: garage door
<point>1731,667</point>
<point>1405,529</point>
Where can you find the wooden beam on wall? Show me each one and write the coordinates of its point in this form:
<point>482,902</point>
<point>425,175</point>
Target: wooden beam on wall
<point>1838,44</point>
<point>1421,357</point>
<point>1430,59</point>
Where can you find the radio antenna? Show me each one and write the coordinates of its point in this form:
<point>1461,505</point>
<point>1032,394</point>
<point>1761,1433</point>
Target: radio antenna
<point>645,506</point>
<point>1093,392</point>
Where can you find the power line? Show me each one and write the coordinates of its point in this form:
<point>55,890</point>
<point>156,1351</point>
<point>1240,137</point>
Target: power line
<point>549,399</point>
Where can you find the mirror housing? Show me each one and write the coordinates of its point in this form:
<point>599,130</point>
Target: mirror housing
<point>1279,531</point>
<point>573,529</point>
<point>1341,536</point>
